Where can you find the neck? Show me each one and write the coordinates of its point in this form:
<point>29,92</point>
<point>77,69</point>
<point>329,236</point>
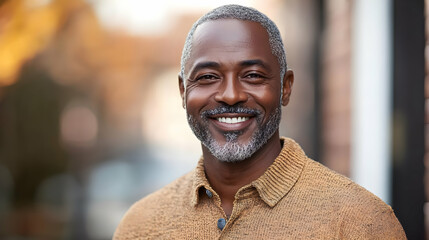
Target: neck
<point>227,178</point>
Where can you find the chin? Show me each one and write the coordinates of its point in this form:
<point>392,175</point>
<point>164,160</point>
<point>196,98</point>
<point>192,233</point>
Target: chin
<point>232,150</point>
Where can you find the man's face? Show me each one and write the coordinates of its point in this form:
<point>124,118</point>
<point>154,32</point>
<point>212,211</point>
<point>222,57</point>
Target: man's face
<point>233,88</point>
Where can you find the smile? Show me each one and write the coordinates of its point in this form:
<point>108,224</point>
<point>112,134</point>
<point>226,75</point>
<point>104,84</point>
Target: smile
<point>232,120</point>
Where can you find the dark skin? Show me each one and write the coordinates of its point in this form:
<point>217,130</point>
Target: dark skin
<point>231,64</point>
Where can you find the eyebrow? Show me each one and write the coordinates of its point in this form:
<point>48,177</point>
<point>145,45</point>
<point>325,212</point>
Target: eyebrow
<point>202,65</point>
<point>252,62</point>
<point>245,63</point>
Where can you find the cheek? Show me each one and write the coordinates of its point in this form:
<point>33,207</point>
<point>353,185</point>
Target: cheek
<point>197,98</point>
<point>267,97</point>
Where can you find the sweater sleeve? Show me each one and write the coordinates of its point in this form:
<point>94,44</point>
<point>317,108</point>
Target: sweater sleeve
<point>369,218</point>
<point>130,226</point>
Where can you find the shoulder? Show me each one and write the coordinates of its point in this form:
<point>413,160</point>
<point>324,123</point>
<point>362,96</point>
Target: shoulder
<point>361,213</point>
<point>152,210</point>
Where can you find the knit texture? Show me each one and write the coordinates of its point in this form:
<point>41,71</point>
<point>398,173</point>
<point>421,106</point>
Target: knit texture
<point>296,198</point>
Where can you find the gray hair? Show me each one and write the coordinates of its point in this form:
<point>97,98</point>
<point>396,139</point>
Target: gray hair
<point>241,13</point>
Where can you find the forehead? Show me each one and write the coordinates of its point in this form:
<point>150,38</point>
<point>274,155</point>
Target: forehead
<point>232,40</point>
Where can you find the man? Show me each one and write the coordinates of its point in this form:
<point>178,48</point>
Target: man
<point>250,183</point>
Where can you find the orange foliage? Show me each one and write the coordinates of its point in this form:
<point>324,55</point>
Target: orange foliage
<point>25,29</point>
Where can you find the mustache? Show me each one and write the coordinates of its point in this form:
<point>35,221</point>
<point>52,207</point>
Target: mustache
<point>229,109</point>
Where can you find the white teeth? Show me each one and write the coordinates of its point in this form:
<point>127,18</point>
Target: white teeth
<point>232,120</point>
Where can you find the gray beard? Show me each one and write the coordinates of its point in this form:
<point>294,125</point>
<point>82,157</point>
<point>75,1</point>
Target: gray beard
<point>232,151</point>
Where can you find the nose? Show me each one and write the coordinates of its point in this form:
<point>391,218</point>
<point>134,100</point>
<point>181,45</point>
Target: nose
<point>231,92</point>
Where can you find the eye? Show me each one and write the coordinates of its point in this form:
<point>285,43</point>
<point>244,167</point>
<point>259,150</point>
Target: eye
<point>254,77</point>
<point>206,78</point>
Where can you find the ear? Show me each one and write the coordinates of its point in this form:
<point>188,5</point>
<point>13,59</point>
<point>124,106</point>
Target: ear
<point>182,90</point>
<point>288,79</point>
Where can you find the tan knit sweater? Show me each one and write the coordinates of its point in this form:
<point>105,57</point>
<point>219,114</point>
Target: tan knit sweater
<point>296,198</point>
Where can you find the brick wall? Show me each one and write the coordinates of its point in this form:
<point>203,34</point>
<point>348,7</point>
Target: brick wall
<point>336,79</point>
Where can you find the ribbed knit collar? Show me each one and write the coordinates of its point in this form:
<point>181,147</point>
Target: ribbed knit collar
<point>277,180</point>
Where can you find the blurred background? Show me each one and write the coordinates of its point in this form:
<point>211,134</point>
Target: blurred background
<point>91,117</point>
